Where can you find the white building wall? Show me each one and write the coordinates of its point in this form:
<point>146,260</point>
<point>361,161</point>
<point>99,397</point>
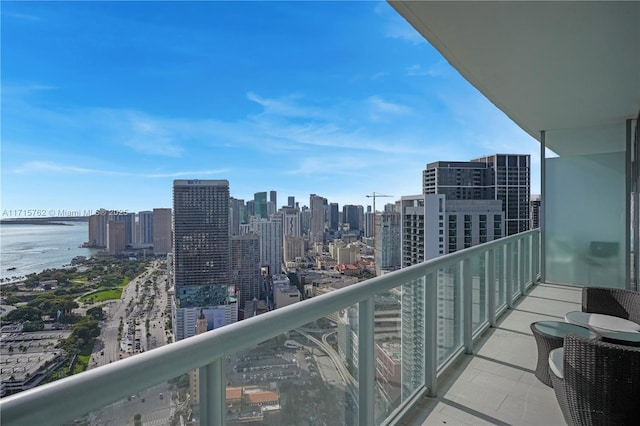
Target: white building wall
<point>291,224</point>
<point>270,232</point>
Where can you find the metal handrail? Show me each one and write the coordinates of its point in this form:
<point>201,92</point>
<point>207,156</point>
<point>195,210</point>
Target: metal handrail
<point>72,397</point>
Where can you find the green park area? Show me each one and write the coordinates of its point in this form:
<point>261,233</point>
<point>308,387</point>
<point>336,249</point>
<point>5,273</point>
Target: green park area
<point>105,293</point>
<point>36,305</point>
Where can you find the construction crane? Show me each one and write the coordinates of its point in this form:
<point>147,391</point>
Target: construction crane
<point>374,196</point>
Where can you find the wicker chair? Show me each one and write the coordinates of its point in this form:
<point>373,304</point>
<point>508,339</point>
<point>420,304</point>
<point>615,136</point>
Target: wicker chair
<point>601,383</point>
<point>611,301</point>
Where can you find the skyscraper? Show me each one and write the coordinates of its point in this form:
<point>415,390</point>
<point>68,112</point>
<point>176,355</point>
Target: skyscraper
<point>504,177</point>
<point>201,255</point>
<point>270,232</point>
<point>98,227</point>
<point>162,231</point>
<point>535,211</point>
<point>272,205</point>
<point>316,229</point>
<point>260,205</point>
<point>237,212</point>
<point>334,217</point>
<point>388,242</point>
<point>291,222</point>
<point>116,236</point>
<point>245,266</point>
<point>291,201</point>
<point>354,216</point>
<point>145,228</point>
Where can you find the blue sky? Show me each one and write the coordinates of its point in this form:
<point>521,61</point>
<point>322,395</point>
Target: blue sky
<point>105,104</point>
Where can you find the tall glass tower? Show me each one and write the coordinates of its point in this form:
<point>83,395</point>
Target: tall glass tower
<point>260,205</point>
<point>201,255</point>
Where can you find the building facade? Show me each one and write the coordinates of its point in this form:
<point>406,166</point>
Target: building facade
<point>245,267</point>
<point>144,234</point>
<point>270,232</point>
<point>504,177</point>
<point>201,255</point>
<point>260,205</point>
<point>162,238</point>
<point>316,227</point>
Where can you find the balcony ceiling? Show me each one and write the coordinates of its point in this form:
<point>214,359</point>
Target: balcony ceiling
<point>547,65</point>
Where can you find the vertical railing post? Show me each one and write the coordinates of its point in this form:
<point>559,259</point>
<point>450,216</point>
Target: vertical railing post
<point>212,393</point>
<point>490,279</point>
<point>467,300</point>
<point>535,268</point>
<point>521,258</point>
<point>366,361</point>
<point>532,258</point>
<point>431,334</point>
<point>506,253</point>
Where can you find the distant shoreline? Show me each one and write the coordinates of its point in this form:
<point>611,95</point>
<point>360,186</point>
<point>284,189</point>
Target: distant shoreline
<point>44,221</point>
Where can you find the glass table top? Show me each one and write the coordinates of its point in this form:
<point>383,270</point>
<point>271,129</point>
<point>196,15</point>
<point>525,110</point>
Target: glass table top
<point>561,329</point>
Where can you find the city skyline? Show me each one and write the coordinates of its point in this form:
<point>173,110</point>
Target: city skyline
<point>105,104</point>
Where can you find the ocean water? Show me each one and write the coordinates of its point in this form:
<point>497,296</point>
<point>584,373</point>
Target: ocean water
<point>34,248</point>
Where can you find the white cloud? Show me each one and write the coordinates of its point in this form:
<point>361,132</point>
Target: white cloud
<point>380,105</point>
<point>47,166</point>
<point>150,136</point>
<point>439,69</point>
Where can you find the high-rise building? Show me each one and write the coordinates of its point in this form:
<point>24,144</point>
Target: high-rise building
<point>237,212</point>
<point>354,216</point>
<point>270,232</point>
<point>316,231</point>
<point>512,185</point>
<point>388,253</point>
<point>291,222</point>
<point>98,230</point>
<point>249,210</point>
<point>504,177</point>
<point>369,224</point>
<point>162,231</point>
<point>116,236</point>
<point>130,228</point>
<point>260,205</point>
<point>305,220</point>
<point>245,266</point>
<point>293,247</point>
<point>535,211</point>
<point>433,226</point>
<point>98,227</point>
<point>201,255</point>
<point>334,217</point>
<point>145,227</point>
<point>291,201</point>
<point>272,205</point>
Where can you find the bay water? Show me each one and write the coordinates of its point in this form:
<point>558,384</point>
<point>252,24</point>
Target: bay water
<point>34,248</point>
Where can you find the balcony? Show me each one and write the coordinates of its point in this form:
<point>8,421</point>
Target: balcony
<point>448,308</point>
<point>496,385</point>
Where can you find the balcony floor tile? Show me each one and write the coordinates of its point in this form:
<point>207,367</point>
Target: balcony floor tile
<point>497,385</point>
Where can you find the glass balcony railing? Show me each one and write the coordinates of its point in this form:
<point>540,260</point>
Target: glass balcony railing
<point>364,354</point>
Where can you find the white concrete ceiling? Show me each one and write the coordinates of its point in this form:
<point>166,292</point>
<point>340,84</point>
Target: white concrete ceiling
<point>547,65</point>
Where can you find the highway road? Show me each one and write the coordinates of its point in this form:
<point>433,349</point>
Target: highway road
<point>349,381</point>
<point>134,304</point>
